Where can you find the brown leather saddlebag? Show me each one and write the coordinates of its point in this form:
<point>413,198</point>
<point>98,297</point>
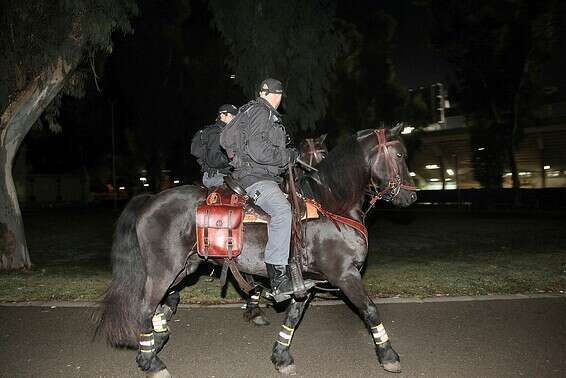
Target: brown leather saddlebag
<point>219,230</point>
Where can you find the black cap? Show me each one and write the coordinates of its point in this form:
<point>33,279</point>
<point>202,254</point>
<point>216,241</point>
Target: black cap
<point>271,86</point>
<point>228,108</point>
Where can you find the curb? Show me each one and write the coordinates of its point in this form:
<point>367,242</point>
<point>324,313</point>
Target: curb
<point>320,302</point>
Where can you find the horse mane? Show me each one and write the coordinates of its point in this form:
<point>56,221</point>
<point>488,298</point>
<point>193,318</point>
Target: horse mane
<point>341,178</point>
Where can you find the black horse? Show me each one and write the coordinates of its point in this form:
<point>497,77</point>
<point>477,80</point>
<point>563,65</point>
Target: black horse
<point>154,239</point>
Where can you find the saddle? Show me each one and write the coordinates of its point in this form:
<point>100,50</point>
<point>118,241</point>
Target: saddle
<point>220,222</point>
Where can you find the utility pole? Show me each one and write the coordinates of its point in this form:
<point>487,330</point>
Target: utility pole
<point>113,156</point>
<point>457,178</point>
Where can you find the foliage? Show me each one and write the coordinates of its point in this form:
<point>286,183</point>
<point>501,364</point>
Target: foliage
<point>498,50</point>
<point>35,32</point>
<point>294,41</point>
<point>365,92</point>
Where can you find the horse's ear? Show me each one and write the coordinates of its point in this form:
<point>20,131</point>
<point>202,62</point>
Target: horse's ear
<point>396,131</point>
<point>322,138</point>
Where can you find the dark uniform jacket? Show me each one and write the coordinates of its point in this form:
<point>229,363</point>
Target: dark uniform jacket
<point>264,155</point>
<point>215,159</point>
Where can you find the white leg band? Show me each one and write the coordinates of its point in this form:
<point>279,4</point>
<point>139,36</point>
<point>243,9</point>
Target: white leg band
<point>379,334</point>
<point>285,335</point>
<point>159,323</point>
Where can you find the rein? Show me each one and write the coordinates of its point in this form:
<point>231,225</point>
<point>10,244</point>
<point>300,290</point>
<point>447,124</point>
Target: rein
<point>316,154</point>
<point>394,184</point>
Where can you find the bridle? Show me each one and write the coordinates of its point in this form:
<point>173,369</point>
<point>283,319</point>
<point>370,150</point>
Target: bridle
<point>394,184</point>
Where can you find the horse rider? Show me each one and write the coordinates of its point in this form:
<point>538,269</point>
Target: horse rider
<point>206,147</point>
<point>261,160</point>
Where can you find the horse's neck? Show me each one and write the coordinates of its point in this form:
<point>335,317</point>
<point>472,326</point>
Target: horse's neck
<point>344,197</point>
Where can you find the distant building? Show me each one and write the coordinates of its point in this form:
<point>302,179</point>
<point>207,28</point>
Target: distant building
<point>445,154</point>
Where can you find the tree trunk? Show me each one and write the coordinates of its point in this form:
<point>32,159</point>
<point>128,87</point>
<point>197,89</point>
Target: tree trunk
<point>15,123</point>
<point>513,167</point>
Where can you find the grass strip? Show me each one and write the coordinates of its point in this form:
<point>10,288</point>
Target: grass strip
<point>458,274</point>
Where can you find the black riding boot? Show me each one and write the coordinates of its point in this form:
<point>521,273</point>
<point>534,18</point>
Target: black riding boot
<point>281,285</point>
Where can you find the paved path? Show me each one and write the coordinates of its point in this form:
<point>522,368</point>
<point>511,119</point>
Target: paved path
<point>500,338</point>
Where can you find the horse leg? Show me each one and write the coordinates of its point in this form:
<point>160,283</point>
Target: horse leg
<point>280,356</point>
<point>169,305</point>
<point>352,286</point>
<point>155,330</point>
<point>147,359</point>
<point>161,316</point>
<point>253,312</point>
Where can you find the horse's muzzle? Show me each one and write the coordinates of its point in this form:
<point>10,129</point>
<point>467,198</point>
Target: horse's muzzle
<point>404,198</point>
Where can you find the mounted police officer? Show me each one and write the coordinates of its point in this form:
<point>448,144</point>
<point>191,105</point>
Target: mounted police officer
<point>206,147</point>
<point>259,156</point>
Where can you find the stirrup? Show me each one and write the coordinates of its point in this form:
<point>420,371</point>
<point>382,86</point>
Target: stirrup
<point>299,287</point>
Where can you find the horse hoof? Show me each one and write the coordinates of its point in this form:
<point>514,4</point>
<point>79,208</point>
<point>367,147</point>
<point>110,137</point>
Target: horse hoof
<point>288,370</point>
<point>392,367</point>
<point>260,321</point>
<point>160,374</point>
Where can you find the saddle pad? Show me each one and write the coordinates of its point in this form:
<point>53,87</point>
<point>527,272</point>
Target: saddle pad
<point>219,230</point>
<point>224,197</point>
<point>310,213</point>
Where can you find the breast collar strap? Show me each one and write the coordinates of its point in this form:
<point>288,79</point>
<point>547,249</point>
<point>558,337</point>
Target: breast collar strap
<point>337,219</point>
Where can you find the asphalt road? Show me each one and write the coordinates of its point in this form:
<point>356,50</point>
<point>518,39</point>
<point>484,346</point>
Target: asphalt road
<point>507,338</point>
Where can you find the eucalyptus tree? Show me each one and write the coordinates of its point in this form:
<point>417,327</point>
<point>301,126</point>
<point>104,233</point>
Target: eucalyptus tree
<point>42,42</point>
<point>365,91</point>
<point>294,41</point>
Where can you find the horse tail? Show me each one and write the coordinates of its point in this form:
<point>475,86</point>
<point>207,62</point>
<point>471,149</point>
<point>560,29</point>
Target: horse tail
<point>120,315</point>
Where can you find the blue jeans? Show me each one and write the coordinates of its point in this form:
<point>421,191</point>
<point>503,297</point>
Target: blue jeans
<point>213,181</point>
<point>271,199</point>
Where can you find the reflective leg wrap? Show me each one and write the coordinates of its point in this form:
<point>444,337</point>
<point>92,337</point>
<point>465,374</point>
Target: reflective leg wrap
<point>159,323</point>
<point>147,343</point>
<point>379,334</point>
<point>254,300</point>
<point>285,335</point>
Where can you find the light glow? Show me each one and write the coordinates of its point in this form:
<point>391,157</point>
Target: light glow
<point>143,179</point>
<point>412,174</point>
<point>432,166</point>
<point>407,130</point>
<point>481,148</point>
<point>122,188</point>
<point>450,172</point>
<point>546,167</point>
<point>176,181</point>
<point>146,184</point>
<point>434,180</point>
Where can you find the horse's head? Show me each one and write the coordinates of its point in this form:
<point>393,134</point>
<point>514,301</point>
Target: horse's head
<point>389,175</point>
<point>313,150</point>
